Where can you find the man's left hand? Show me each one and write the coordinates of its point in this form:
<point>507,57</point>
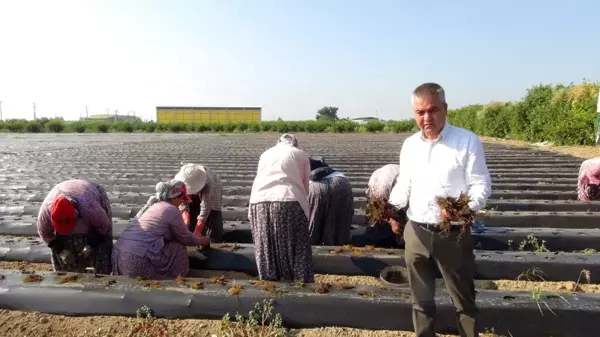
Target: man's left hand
<point>449,216</point>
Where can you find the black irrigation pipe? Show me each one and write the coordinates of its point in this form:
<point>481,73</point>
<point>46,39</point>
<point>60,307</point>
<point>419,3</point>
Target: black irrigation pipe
<point>238,197</point>
<point>574,315</point>
<point>343,165</point>
<point>496,238</point>
<point>493,219</point>
<point>491,265</point>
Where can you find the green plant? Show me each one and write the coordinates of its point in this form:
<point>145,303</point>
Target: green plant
<point>55,125</point>
<point>78,127</point>
<point>34,127</point>
<point>260,323</point>
<point>532,243</point>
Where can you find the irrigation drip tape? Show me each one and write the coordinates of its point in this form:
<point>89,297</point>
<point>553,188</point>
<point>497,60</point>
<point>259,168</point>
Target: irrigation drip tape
<point>300,307</point>
<point>491,265</point>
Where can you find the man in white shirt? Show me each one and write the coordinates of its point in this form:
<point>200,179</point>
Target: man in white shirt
<point>440,160</point>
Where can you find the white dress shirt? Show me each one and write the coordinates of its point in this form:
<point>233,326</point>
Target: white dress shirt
<point>447,166</point>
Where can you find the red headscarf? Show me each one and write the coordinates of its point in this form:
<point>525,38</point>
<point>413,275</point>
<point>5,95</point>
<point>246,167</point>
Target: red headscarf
<point>63,215</point>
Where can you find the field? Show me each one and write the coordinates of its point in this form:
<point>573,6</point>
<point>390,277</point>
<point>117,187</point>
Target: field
<point>538,270</point>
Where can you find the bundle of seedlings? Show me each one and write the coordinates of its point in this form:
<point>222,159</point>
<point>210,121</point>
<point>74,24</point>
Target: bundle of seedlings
<point>457,208</point>
<point>380,210</point>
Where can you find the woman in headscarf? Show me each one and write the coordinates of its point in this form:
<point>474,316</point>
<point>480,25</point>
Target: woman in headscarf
<point>331,205</point>
<point>279,213</point>
<point>203,212</point>
<point>154,243</point>
<point>75,220</point>
<point>588,182</point>
<point>380,186</point>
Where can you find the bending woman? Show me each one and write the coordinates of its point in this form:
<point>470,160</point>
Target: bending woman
<point>279,213</point>
<point>203,212</point>
<point>154,243</point>
<point>380,186</point>
<point>75,220</point>
<point>331,205</point>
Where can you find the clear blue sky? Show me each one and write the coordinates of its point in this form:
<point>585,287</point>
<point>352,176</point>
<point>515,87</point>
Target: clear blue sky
<point>290,57</point>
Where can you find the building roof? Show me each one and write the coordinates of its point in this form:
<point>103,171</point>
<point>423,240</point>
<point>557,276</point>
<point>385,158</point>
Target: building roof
<point>205,108</point>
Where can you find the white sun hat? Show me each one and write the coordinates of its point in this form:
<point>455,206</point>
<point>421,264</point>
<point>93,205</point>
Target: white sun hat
<point>193,176</point>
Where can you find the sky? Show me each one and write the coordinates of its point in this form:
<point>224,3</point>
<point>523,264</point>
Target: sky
<point>288,57</point>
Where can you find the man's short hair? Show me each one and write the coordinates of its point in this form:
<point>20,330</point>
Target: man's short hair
<point>429,89</point>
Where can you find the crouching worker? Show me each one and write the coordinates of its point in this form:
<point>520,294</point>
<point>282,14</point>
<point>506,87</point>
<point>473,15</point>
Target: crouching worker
<point>75,220</point>
<point>154,243</point>
<point>588,182</point>
<point>202,213</point>
<point>381,183</point>
<point>331,205</point>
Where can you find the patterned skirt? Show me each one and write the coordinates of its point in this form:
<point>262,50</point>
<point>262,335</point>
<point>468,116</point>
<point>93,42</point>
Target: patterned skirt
<point>331,211</point>
<point>100,259</point>
<point>281,241</point>
<point>171,261</point>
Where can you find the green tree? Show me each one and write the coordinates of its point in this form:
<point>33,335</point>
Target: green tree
<point>328,113</point>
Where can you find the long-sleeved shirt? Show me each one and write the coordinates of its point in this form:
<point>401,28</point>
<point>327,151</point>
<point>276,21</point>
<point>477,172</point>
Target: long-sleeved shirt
<point>382,181</point>
<point>88,199</point>
<point>162,221</point>
<point>447,166</point>
<point>210,199</point>
<point>283,175</point>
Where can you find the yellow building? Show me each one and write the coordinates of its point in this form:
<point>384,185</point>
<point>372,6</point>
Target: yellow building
<point>207,114</point>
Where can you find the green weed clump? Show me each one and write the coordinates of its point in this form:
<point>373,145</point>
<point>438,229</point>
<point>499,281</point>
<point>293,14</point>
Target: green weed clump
<point>562,114</point>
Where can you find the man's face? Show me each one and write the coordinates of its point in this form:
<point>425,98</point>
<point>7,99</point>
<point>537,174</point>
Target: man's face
<point>430,114</point>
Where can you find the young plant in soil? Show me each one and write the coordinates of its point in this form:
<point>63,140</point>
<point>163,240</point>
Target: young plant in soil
<point>218,280</point>
<point>267,286</point>
<point>181,281</point>
<point>366,293</point>
<point>148,325</point>
<point>343,286</point>
<point>67,279</point>
<point>458,207</point>
<point>109,282</point>
<point>235,290</point>
<point>197,285</point>
<point>154,285</point>
<point>322,288</point>
<point>230,247</point>
<point>260,322</point>
<point>32,278</point>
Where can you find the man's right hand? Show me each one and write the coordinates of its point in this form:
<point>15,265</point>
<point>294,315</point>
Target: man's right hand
<point>396,229</point>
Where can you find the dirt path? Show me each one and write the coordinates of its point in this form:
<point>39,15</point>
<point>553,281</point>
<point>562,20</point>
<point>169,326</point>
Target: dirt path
<point>584,152</point>
<point>33,324</point>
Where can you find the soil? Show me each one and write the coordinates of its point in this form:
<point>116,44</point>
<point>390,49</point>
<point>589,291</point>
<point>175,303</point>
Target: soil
<point>584,152</point>
<point>34,324</point>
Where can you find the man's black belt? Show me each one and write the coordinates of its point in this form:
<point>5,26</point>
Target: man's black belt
<point>436,227</point>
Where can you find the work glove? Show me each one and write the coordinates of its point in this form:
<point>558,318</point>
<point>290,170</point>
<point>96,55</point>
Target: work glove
<point>67,257</point>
